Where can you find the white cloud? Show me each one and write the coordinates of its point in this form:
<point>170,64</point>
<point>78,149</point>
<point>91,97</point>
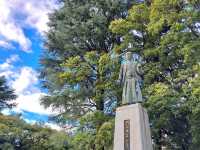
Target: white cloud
<point>6,111</point>
<point>13,58</point>
<point>47,124</point>
<point>19,14</point>
<point>5,66</point>
<point>6,44</point>
<point>29,94</point>
<point>37,13</point>
<point>30,121</point>
<point>25,82</point>
<point>53,126</point>
<point>9,29</point>
<point>31,103</point>
<point>8,63</point>
<point>6,73</point>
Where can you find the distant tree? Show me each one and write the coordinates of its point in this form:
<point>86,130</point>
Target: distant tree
<point>7,95</point>
<point>16,134</point>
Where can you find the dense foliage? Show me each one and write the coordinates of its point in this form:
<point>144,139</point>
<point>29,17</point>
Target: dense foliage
<point>166,34</point>
<point>95,132</point>
<point>77,68</point>
<point>7,95</point>
<point>15,134</point>
<point>80,67</point>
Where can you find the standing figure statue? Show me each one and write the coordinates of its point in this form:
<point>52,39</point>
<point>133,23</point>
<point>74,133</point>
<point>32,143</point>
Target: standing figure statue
<point>130,78</point>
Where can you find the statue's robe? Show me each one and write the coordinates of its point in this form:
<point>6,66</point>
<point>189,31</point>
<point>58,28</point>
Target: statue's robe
<point>130,78</point>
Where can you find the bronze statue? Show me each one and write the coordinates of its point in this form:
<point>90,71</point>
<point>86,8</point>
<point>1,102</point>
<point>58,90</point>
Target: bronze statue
<point>130,78</point>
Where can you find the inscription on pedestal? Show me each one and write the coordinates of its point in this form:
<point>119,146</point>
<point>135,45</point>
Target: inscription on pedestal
<point>126,134</point>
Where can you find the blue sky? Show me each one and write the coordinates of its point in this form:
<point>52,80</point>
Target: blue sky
<point>22,27</point>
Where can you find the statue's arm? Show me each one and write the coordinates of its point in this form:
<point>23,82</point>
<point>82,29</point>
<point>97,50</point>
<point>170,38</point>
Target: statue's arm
<point>121,72</point>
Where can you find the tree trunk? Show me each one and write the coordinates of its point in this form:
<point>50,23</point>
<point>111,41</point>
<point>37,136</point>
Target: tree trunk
<point>100,104</point>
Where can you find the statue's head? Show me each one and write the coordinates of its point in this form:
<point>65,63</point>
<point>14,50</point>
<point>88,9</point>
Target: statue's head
<point>129,56</point>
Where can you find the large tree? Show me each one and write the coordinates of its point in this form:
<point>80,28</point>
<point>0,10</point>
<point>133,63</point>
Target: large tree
<point>166,34</point>
<point>77,68</point>
<point>7,95</point>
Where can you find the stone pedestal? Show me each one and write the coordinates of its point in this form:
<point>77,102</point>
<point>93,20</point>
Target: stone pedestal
<point>132,131</point>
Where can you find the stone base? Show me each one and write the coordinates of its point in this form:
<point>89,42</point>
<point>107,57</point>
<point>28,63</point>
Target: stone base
<point>132,130</point>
